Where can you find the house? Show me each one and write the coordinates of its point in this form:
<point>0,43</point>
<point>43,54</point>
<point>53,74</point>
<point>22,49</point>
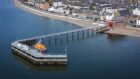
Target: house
<point>110,13</point>
<point>109,16</point>
<point>60,10</point>
<point>33,2</point>
<point>44,6</point>
<point>134,21</point>
<point>138,23</point>
<point>136,11</point>
<point>57,4</point>
<point>51,9</point>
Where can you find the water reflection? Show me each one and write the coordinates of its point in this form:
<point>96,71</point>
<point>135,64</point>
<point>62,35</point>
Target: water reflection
<point>39,67</point>
<point>114,38</point>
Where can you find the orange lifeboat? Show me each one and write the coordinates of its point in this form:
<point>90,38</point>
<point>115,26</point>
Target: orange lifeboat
<point>39,46</point>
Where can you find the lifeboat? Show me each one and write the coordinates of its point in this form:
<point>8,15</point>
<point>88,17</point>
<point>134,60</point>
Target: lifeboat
<point>39,46</point>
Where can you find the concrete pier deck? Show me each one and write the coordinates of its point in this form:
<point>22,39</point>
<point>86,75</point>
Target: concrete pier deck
<point>37,57</point>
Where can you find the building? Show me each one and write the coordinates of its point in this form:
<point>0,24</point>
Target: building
<point>60,10</point>
<point>109,16</point>
<point>33,2</point>
<point>57,4</point>
<point>134,21</point>
<point>109,13</point>
<point>138,23</point>
<point>44,6</point>
<point>136,11</point>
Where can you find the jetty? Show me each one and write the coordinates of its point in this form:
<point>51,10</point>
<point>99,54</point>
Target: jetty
<point>25,47</point>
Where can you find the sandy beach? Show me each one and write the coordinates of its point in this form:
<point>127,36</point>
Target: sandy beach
<point>79,22</point>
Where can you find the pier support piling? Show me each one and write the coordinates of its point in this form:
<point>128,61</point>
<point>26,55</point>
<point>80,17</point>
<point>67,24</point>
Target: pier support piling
<point>55,39</point>
<point>83,34</point>
<point>78,35</point>
<point>72,36</point>
<point>92,32</point>
<point>49,41</point>
<point>62,38</point>
<point>87,32</point>
<point>67,37</point>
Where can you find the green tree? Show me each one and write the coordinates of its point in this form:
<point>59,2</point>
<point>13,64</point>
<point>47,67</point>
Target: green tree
<point>117,13</point>
<point>92,6</point>
<point>50,2</point>
<point>70,9</point>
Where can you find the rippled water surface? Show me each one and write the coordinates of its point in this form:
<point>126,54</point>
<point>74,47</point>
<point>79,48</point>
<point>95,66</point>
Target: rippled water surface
<point>99,57</point>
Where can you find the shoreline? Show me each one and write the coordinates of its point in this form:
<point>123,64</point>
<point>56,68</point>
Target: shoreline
<point>79,22</point>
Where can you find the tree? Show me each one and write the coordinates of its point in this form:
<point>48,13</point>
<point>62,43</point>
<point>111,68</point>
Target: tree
<point>117,15</point>
<point>92,6</point>
<point>50,2</point>
<point>132,5</point>
<point>70,9</point>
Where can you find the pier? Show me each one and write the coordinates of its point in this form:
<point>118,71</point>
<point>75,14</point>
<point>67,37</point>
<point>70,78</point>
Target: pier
<point>38,57</point>
<point>69,33</point>
<point>25,47</point>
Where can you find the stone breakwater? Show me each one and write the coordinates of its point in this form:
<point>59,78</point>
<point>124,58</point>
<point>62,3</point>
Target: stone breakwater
<point>79,22</point>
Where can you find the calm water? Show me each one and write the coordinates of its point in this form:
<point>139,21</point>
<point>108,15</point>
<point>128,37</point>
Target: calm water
<point>100,57</point>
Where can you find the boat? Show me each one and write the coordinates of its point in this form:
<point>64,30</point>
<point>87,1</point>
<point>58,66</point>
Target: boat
<point>40,46</point>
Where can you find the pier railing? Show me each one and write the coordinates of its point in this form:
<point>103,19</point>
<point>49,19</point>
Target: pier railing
<point>97,29</point>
